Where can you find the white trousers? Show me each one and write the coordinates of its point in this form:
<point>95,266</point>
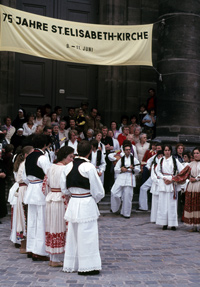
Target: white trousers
<point>143,199</point>
<point>122,194</point>
<point>167,209</point>
<point>13,235</point>
<point>82,247</point>
<point>36,230</point>
<point>154,207</point>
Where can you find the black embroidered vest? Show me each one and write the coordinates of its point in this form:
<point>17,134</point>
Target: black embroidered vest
<point>74,178</point>
<point>31,165</point>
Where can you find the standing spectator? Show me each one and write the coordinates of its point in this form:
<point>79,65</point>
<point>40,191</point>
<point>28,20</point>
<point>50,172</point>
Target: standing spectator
<point>91,120</point>
<point>10,129</point>
<point>29,127</point>
<point>3,206</point>
<point>8,165</point>
<point>151,101</point>
<point>20,119</point>
<point>116,146</point>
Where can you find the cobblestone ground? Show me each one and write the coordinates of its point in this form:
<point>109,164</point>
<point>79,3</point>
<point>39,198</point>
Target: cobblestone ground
<point>134,252</point>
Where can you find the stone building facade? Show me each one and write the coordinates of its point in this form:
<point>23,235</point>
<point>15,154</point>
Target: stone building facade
<point>29,81</point>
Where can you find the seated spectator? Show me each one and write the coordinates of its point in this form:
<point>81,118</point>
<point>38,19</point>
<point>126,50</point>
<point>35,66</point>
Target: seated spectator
<point>72,142</point>
<point>123,135</point>
<point>17,139</point>
<point>3,141</point>
<point>55,137</point>
<point>46,113</point>
<point>113,126</point>
<point>136,135</point>
<point>53,118</point>
<point>38,119</point>
<point>47,131</point>
<point>80,120</point>
<point>124,122</point>
<point>99,124</point>
<point>133,124</point>
<point>20,119</point>
<point>89,135</point>
<point>58,111</point>
<point>149,122</point>
<point>130,137</point>
<point>142,114</point>
<point>116,146</point>
<point>29,127</point>
<point>101,146</point>
<point>71,115</point>
<point>63,134</point>
<point>73,126</point>
<point>39,130</point>
<point>10,128</point>
<point>142,146</point>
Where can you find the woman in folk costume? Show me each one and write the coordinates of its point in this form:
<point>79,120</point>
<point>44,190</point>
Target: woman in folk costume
<point>56,204</point>
<point>167,167</point>
<point>192,194</point>
<point>155,187</point>
<point>19,166</point>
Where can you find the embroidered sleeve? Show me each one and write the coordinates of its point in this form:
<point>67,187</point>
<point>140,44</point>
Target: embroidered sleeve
<point>183,175</point>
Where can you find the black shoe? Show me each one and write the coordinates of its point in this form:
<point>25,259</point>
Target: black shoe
<point>29,254</point>
<point>93,272</point>
<point>127,217</point>
<point>173,228</point>
<point>17,245</point>
<point>164,227</point>
<point>139,209</point>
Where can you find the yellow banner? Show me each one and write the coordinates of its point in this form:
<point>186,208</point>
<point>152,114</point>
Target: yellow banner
<point>61,40</point>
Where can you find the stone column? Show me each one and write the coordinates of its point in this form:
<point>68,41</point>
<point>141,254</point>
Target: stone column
<point>178,115</point>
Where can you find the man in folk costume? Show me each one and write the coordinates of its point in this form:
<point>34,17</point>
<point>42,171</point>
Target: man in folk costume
<point>36,167</point>
<point>97,158</point>
<point>122,189</point>
<point>81,181</point>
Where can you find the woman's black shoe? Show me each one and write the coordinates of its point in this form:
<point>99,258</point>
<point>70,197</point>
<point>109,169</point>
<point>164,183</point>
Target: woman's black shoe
<point>93,272</point>
<point>164,227</point>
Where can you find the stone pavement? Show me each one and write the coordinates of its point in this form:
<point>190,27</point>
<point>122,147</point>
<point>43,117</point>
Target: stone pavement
<point>134,253</point>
